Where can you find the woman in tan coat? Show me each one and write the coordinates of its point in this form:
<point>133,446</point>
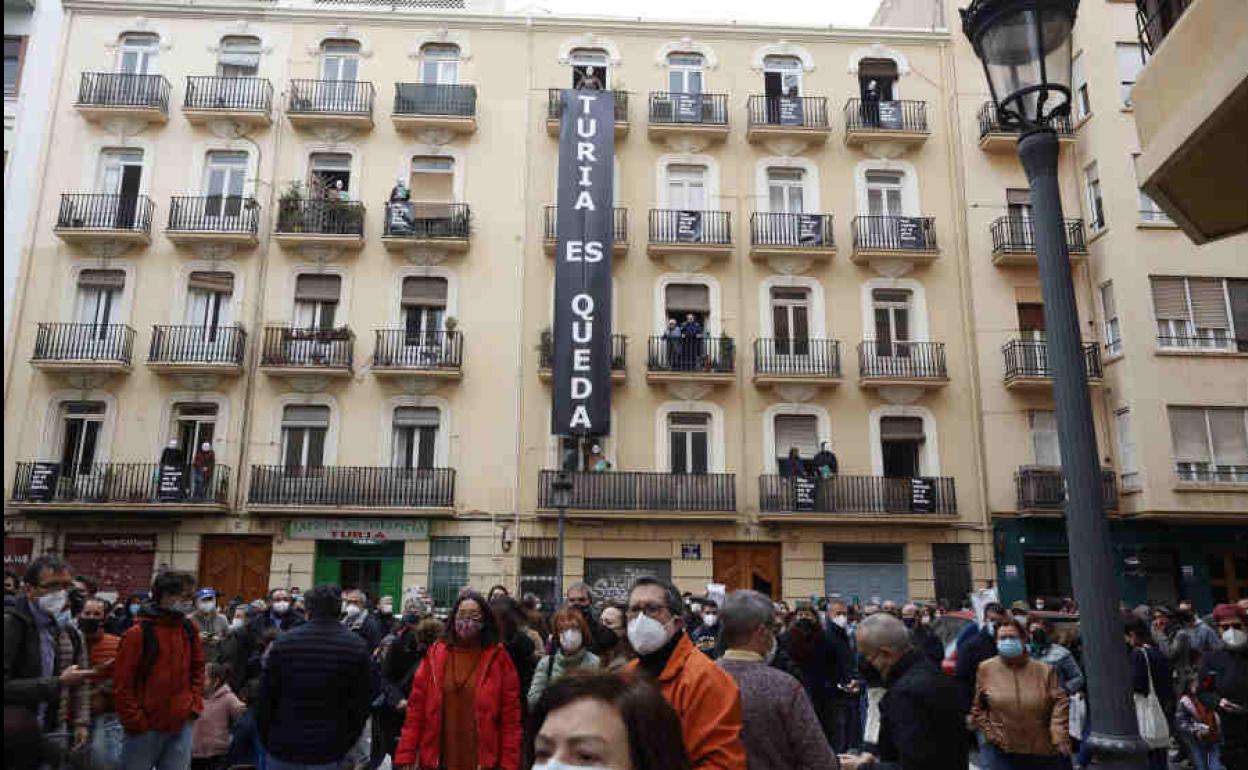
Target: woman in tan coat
<point>1021,708</point>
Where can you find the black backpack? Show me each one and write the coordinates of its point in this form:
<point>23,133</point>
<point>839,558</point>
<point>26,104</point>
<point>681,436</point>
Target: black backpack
<point>151,648</point>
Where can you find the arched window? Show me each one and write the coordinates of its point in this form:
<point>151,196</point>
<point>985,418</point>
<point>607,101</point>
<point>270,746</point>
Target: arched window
<point>340,60</point>
<point>139,54</point>
<point>782,75</point>
<point>239,57</point>
<point>685,73</point>
<point>439,64</point>
<point>583,60</point>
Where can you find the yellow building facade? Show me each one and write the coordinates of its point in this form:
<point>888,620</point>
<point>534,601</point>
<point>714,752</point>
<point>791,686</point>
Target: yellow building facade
<point>318,238</point>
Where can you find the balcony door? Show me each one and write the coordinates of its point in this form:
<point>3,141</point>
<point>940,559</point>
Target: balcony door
<point>120,175</point>
<point>785,188</point>
<point>81,422</point>
<point>326,171</point>
<point>424,318</point>
<point>239,57</point>
<point>686,188</point>
<point>689,441</point>
<point>140,55</point>
<point>795,431</point>
<point>209,307</point>
<point>901,440</point>
<point>439,64</point>
<point>1045,448</point>
<point>225,173</point>
<point>1018,209</point>
<point>876,80</point>
<point>790,316</point>
<point>884,193</point>
<point>316,300</point>
<point>99,293</point>
<point>414,437</point>
<point>891,308</point>
<point>685,73</point>
<point>304,428</point>
<point>782,76</point>
<point>340,67</point>
<point>583,60</point>
<point>193,426</point>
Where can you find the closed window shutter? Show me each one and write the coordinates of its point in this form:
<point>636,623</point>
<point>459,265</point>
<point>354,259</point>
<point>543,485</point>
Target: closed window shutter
<point>901,429</point>
<point>1107,301</point>
<point>1045,446</point>
<point>317,288</point>
<point>1230,436</point>
<point>797,430</point>
<point>1126,443</point>
<point>688,298</point>
<point>1208,303</point>
<point>416,416</point>
<point>430,292</point>
<point>102,279</point>
<point>1187,430</point>
<point>1169,299</point>
<point>222,283</point>
<point>305,416</point>
<point>1238,290</point>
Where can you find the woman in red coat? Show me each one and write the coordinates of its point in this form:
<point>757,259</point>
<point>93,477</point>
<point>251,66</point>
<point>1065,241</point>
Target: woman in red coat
<point>464,709</point>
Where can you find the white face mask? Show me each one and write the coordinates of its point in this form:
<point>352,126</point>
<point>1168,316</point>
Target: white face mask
<point>646,634</point>
<point>570,640</point>
<point>236,623</point>
<point>280,608</point>
<point>709,620</point>
<point>771,651</point>
<point>555,764</point>
<point>352,610</point>
<point>1235,638</point>
<point>841,620</point>
<point>207,606</point>
<point>54,602</point>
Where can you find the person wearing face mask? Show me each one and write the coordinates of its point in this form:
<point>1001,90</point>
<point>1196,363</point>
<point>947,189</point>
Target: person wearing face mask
<point>819,670</point>
<point>704,696</point>
<point>600,721</point>
<point>158,680</point>
<point>358,620</point>
<point>925,641</point>
<point>1150,672</point>
<point>202,466</point>
<point>706,635</point>
<point>385,615</point>
<point>979,645</point>
<point>124,613</point>
<point>844,672</point>
<point>779,728</point>
<point>1223,683</point>
<point>619,652</point>
<point>464,707</point>
<point>921,715</point>
<point>45,674</point>
<point>581,597</point>
<point>570,652</point>
<point>107,734</point>
<point>1041,647</point>
<point>212,624</point>
<point>416,634</point>
<point>1020,707</point>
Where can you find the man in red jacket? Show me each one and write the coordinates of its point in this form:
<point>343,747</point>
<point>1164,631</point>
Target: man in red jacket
<point>158,680</point>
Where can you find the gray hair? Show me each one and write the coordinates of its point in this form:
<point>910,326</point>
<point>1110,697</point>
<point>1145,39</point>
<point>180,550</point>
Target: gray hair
<point>884,630</point>
<point>582,586</point>
<point>671,594</point>
<point>743,611</point>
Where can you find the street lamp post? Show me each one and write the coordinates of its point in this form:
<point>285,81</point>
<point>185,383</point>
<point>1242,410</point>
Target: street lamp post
<point>1025,48</point>
<point>561,489</point>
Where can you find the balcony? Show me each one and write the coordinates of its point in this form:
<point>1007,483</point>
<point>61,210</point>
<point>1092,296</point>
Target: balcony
<point>913,364</point>
<point>929,500</point>
<point>1211,342</point>
<point>1210,477</point>
<point>1191,129</point>
<point>248,101</point>
<point>213,219</point>
<point>702,116</point>
<point>83,347</point>
<point>102,218</point>
<point>334,104</point>
<point>435,107</point>
<point>1027,364</point>
<point>807,236</point>
<point>897,122</point>
<point>351,490</point>
<point>797,362</point>
<point>1041,489</point>
<point>550,231</point>
<point>197,350</point>
<point>554,112</point>
<point>993,137</point>
<point>885,237</point>
<point>302,223</point>
<point>677,232</point>
<point>123,96</point>
<point>631,494</point>
<point>1014,242</point>
<point>704,359</point>
<point>619,362</point>
<point>441,226</point>
<point>124,487</point>
<point>419,355</point>
<point>298,351</point>
<point>788,118</point>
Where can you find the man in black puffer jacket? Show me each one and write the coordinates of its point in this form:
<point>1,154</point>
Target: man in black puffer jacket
<point>317,687</point>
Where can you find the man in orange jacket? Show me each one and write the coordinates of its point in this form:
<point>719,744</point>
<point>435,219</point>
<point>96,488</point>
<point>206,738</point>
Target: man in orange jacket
<point>705,696</point>
<point>158,679</point>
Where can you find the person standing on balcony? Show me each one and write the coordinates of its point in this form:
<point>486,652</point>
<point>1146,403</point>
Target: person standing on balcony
<point>692,333</point>
<point>825,461</point>
<point>202,466</point>
<point>673,343</point>
<point>590,81</point>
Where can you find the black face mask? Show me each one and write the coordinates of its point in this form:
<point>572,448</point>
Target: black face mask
<point>1039,638</point>
<point>411,618</point>
<point>88,626</point>
<point>808,624</point>
<point>908,622</point>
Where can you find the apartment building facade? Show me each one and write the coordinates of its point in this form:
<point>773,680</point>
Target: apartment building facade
<point>318,238</point>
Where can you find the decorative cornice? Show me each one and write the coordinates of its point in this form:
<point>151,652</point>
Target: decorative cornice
<point>444,35</point>
<point>782,48</point>
<point>686,44</point>
<point>589,40</point>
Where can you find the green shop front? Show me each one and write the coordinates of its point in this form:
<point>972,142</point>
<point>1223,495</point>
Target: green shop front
<point>1155,561</point>
<point>360,553</point>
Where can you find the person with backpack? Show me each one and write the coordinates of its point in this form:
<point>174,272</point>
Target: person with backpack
<point>158,679</point>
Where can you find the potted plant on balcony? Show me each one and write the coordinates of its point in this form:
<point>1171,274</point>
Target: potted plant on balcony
<point>290,207</point>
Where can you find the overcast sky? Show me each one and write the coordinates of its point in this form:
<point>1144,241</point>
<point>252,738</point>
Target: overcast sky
<point>843,13</point>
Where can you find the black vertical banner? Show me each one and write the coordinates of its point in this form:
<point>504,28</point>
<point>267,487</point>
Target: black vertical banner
<point>584,222</point>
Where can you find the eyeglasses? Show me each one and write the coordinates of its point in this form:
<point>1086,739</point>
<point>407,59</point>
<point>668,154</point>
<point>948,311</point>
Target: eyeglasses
<point>63,586</point>
<point>1227,625</point>
<point>650,610</point>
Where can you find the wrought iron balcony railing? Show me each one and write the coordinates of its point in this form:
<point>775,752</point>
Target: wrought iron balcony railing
<point>640,491</point>
<point>349,97</point>
<point>135,483</point>
<point>1015,235</point>
<point>619,347</point>
<point>351,486</point>
<point>209,92</point>
<point>990,124</point>
<point>198,345</point>
<point>789,111</point>
<point>285,346</point>
<point>890,233</point>
<point>554,105</point>
<point>857,495</point>
<point>673,226</point>
<point>1210,473</point>
<point>427,221</point>
<point>123,89</point>
<point>319,217</point>
<point>797,357</point>
<point>1042,488</point>
<point>867,115</point>
<point>434,99</point>
<point>902,360</point>
<point>1030,359</point>
<point>1155,18</point>
<point>83,343</point>
<point>420,350</point>
<point>702,354</point>
<point>550,227</point>
<point>694,109</point>
<point>214,214</point>
<point>798,231</point>
<point>84,212</point>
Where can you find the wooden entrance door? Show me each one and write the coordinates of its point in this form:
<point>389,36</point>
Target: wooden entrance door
<point>235,565</point>
<point>1228,576</point>
<point>749,565</point>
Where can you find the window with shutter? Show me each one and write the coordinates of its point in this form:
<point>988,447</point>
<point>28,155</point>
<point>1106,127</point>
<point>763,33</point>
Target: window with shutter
<point>1096,206</point>
<point>688,438</point>
<point>1045,446</point>
<point>1130,62</point>
<point>685,298</point>
<point>1109,311</point>
<point>414,437</point>
<point>239,57</point>
<point>1209,315</point>
<point>1237,292</point>
<point>1128,464</point>
<point>1171,309</point>
<point>1079,79</point>
<point>1228,431</point>
<point>800,431</point>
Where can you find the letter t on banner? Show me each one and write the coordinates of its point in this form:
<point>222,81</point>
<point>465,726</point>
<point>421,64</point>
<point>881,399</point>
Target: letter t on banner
<point>584,223</point>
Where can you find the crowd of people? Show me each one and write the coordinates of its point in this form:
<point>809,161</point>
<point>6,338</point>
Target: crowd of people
<point>330,679</point>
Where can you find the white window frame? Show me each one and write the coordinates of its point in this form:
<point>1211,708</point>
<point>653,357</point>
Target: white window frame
<point>339,55</point>
<point>715,438</point>
<point>438,58</point>
<point>788,67</point>
<point>65,414</point>
<point>682,175</point>
<point>1128,73</point>
<point>1128,456</point>
<point>1113,324</point>
<point>786,187</point>
<point>145,48</point>
<point>285,435</point>
<point>1094,199</point>
<point>239,45</point>
<point>1189,470</point>
<point>1187,333</point>
<point>687,70</point>
<point>1038,432</point>
<point>1082,98</point>
<point>397,433</point>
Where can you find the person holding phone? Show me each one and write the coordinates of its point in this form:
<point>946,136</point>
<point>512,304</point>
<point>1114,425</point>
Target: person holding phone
<point>107,734</point>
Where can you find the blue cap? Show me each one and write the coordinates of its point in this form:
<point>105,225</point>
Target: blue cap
<point>206,593</point>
